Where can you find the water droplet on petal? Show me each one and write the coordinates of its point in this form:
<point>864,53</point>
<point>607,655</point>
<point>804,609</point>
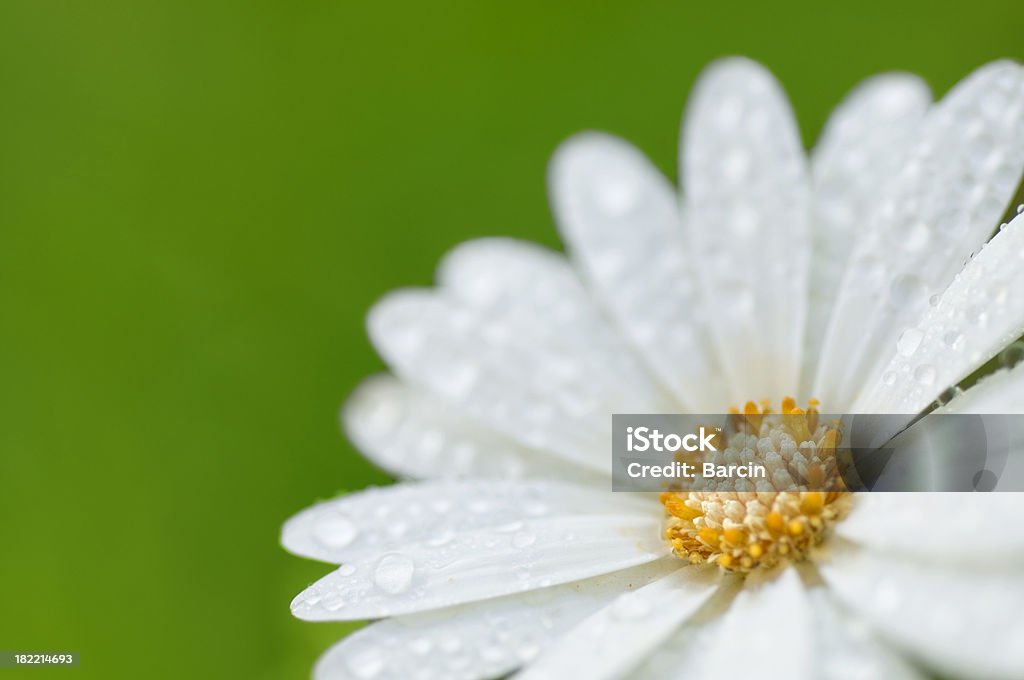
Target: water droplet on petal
<point>948,395</point>
<point>976,315</point>
<point>443,538</point>
<point>347,569</point>
<point>451,644</point>
<point>394,573</point>
<point>1012,355</point>
<point>889,378</point>
<point>917,236</point>
<point>333,603</point>
<point>616,196</point>
<point>366,664</point>
<point>925,374</point>
<point>335,531</point>
<point>953,339</point>
<point>535,508</point>
<point>744,221</point>
<point>492,654</point>
<point>909,341</point>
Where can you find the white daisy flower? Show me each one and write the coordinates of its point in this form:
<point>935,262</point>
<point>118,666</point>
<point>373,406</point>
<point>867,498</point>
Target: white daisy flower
<point>860,276</point>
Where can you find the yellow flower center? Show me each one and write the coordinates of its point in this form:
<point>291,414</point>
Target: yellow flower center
<point>760,523</point>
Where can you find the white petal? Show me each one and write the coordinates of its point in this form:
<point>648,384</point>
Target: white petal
<point>481,564</point>
<point>996,398</point>
<point>945,527</point>
<point>846,647</point>
<point>769,606</point>
<point>478,640</point>
<point>416,435</point>
<point>514,340</point>
<point>859,153</point>
<point>960,622</point>
<point>619,636</point>
<point>372,522</point>
<point>747,198</point>
<point>945,203</point>
<point>621,221</point>
<point>835,646</point>
<point>682,657</point>
<point>978,315</point>
<point>999,392</point>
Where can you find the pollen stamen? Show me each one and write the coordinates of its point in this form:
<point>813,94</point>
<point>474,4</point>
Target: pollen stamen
<point>742,530</point>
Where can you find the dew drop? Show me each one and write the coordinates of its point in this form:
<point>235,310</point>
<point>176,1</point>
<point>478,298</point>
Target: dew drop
<point>925,374</point>
<point>948,395</point>
<point>444,537</point>
<point>1020,208</point>
<point>909,341</point>
<point>451,644</point>
<point>333,603</point>
<point>744,221</point>
<point>917,236</point>
<point>335,531</point>
<point>366,664</point>
<point>1012,355</point>
<point>394,573</point>
<point>953,339</point>
<point>616,196</point>
<point>479,506</point>
<point>976,315</point>
<point>398,529</point>
<point>889,378</point>
<point>535,508</point>
<point>460,376</point>
<point>735,164</point>
<point>347,569</point>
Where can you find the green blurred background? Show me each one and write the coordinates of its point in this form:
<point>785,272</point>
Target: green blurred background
<point>200,199</point>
